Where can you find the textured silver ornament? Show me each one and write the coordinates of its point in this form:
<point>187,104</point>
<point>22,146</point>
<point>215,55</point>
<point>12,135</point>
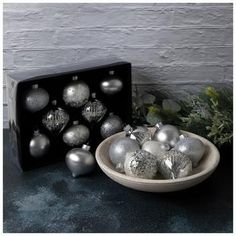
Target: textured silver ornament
<point>39,145</point>
<point>80,161</point>
<point>36,99</point>
<point>76,94</point>
<point>167,134</point>
<point>141,164</point>
<point>76,134</point>
<point>111,125</point>
<point>94,111</point>
<point>119,149</point>
<point>191,147</point>
<point>175,165</point>
<point>141,133</point>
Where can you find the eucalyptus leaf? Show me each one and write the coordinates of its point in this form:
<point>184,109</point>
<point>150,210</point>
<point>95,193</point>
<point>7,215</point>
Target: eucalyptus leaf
<point>148,98</point>
<point>152,118</point>
<point>170,105</point>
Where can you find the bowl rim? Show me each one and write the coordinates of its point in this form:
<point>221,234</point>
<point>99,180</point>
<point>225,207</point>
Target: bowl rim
<point>160,181</point>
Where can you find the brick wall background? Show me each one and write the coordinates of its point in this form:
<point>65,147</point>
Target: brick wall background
<point>173,47</point>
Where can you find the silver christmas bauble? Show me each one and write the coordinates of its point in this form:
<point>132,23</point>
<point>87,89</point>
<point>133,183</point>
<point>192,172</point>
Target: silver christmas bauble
<point>119,149</point>
<point>111,85</point>
<point>76,134</point>
<point>141,164</point>
<point>175,165</point>
<point>36,99</point>
<point>167,134</point>
<point>156,148</point>
<point>191,147</point>
<point>141,133</point>
<point>80,161</point>
<point>94,111</point>
<point>76,94</point>
<point>39,145</point>
<point>111,125</point>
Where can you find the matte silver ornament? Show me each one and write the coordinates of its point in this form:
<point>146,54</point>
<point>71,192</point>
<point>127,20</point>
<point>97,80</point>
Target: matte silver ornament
<point>39,145</point>
<point>175,165</point>
<point>111,125</point>
<point>80,161</point>
<point>141,133</point>
<point>36,99</point>
<point>167,134</point>
<point>119,149</point>
<point>94,110</point>
<point>141,164</point>
<point>76,93</point>
<point>191,147</point>
<point>76,134</point>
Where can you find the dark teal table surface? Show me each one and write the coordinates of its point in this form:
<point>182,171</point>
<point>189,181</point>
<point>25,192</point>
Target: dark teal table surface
<point>50,200</point>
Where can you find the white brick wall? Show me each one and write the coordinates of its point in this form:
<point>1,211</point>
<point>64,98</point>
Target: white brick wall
<point>169,45</point>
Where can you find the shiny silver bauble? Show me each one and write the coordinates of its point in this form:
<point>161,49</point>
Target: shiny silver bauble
<point>80,161</point>
<point>76,94</point>
<point>76,135</point>
<point>36,99</point>
<point>39,145</point>
<point>111,125</point>
<point>141,164</point>
<point>175,165</point>
<point>167,134</point>
<point>191,147</point>
<point>119,149</point>
<point>111,85</point>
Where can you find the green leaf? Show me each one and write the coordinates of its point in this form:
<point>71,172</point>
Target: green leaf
<point>171,105</point>
<point>148,98</point>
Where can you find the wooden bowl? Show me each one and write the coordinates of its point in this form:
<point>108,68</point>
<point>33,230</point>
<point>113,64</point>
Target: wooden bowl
<point>206,167</point>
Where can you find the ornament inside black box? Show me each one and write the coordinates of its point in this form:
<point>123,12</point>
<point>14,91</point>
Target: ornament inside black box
<point>53,110</point>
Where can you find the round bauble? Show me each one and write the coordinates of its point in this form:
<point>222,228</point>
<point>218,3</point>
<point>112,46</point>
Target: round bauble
<point>76,134</point>
<point>80,161</point>
<point>141,164</point>
<point>76,93</point>
<point>119,149</point>
<point>191,147</point>
<point>175,165</point>
<point>111,125</point>
<point>39,145</point>
<point>111,85</point>
<point>167,134</point>
<point>36,99</point>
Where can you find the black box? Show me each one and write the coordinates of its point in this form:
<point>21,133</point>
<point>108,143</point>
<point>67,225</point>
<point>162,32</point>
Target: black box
<point>23,123</point>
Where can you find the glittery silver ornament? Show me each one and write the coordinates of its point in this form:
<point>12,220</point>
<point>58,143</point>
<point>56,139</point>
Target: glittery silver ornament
<point>141,164</point>
<point>80,161</point>
<point>56,119</point>
<point>39,145</point>
<point>141,133</point>
<point>76,93</point>
<point>191,147</point>
<point>156,148</point>
<point>111,125</point>
<point>175,165</point>
<point>119,149</point>
<point>76,134</point>
<point>36,99</point>
<point>94,110</point>
<point>167,134</point>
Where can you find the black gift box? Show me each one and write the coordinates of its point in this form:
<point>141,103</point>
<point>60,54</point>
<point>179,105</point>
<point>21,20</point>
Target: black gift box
<point>23,123</point>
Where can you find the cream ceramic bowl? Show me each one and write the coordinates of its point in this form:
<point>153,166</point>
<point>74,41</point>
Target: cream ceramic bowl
<point>205,168</point>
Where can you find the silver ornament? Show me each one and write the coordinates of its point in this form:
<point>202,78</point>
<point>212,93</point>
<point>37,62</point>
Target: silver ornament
<point>175,165</point>
<point>111,125</point>
<point>191,147</point>
<point>36,99</point>
<point>156,148</point>
<point>39,145</point>
<point>119,149</point>
<point>76,94</point>
<point>80,161</point>
<point>94,111</point>
<point>76,134</point>
<point>141,164</point>
<point>141,133</point>
<point>167,134</point>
